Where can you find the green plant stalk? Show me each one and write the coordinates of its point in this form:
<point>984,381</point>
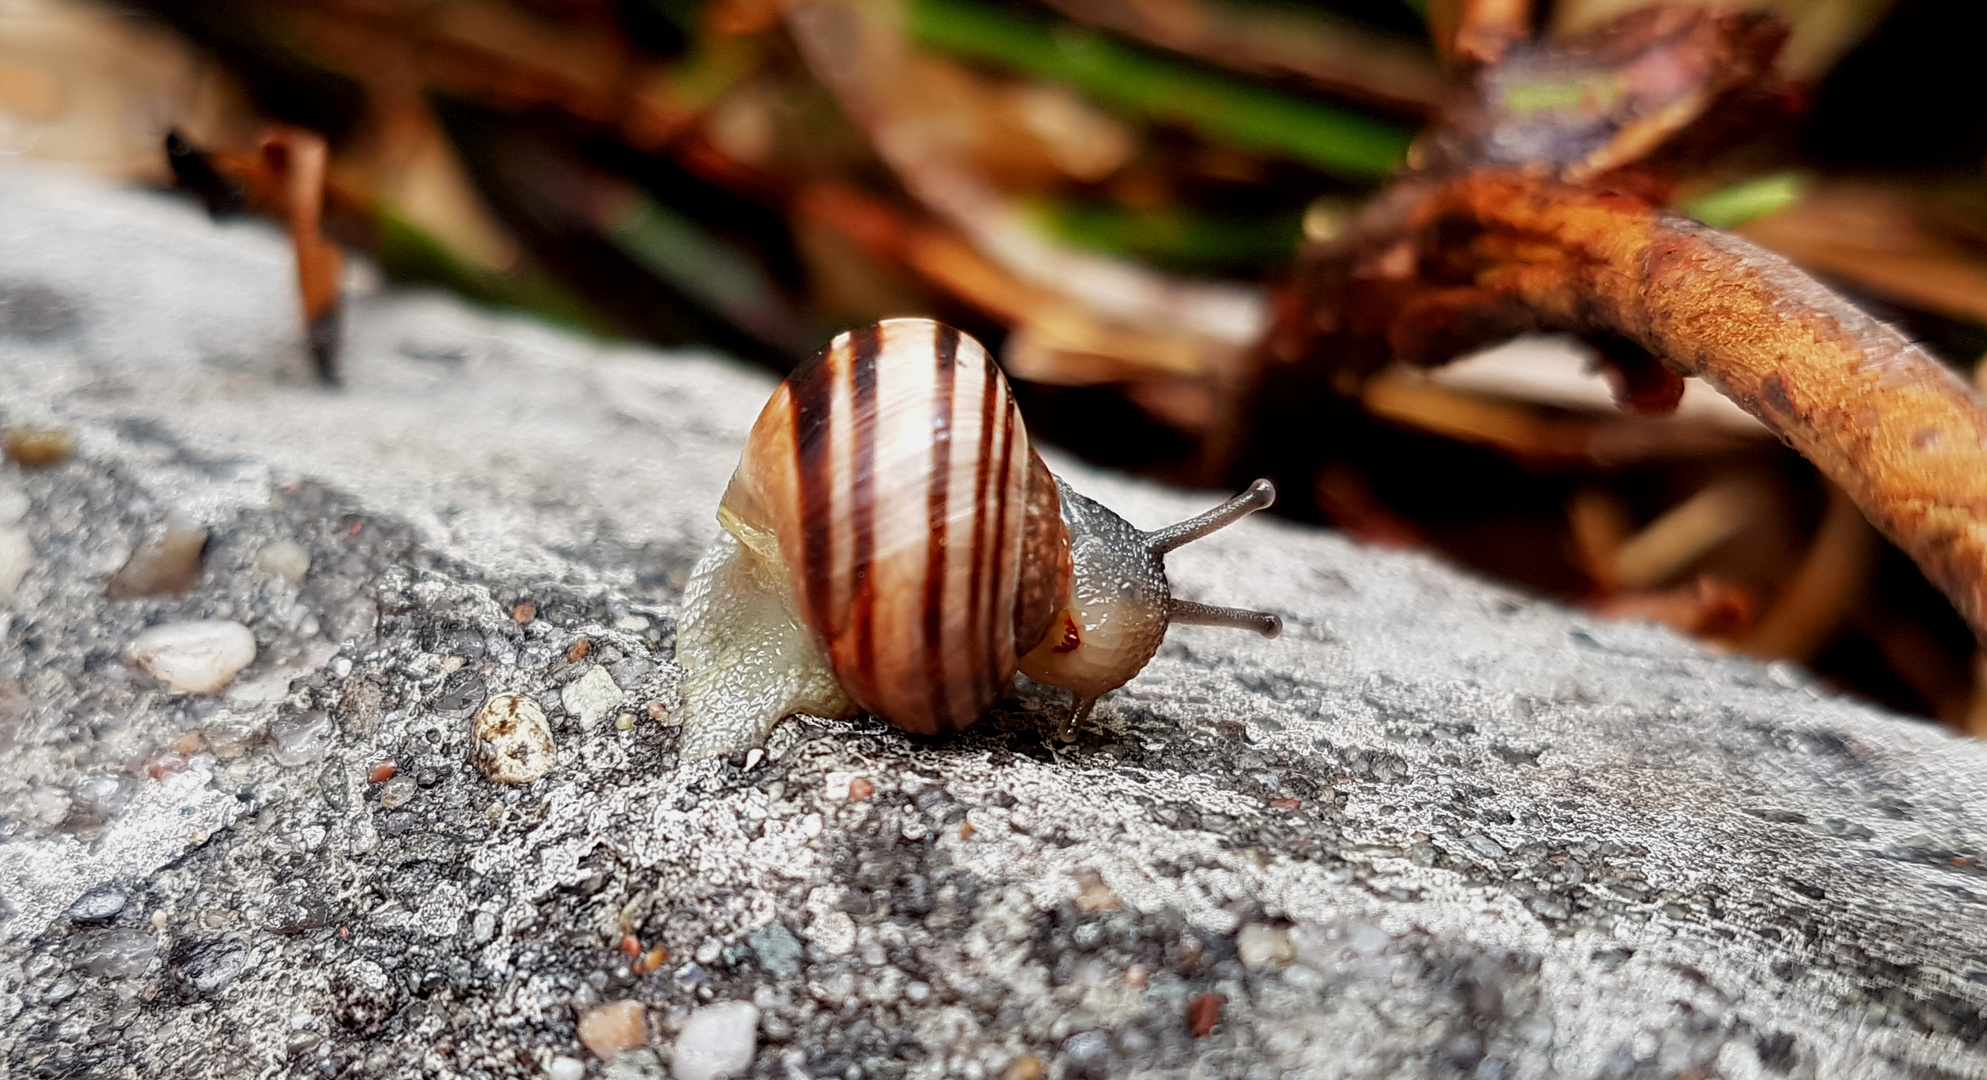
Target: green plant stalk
<point>693,260</point>
<point>409,254</point>
<point>1735,204</point>
<point>1337,140</point>
<point>1174,236</point>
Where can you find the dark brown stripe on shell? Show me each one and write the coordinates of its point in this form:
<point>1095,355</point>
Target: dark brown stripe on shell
<point>977,603</point>
<point>812,387</point>
<point>990,651</point>
<point>937,685</point>
<point>867,342</point>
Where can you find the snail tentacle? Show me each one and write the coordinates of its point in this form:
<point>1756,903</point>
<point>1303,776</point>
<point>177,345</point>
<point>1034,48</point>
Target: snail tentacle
<point>1188,613</point>
<point>1261,495</point>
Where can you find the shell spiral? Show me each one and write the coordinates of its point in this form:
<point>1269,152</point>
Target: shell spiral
<point>922,536</point>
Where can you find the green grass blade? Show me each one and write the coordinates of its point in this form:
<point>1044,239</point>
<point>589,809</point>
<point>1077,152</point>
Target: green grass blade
<point>1332,138</point>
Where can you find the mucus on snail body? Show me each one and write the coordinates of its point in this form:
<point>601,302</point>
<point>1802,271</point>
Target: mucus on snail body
<point>892,543</point>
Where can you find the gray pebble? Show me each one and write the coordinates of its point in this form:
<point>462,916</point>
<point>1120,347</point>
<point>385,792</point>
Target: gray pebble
<point>119,954</point>
<point>103,796</point>
<point>209,969</point>
<point>99,905</point>
<point>630,672</point>
<point>302,738</point>
<point>779,952</point>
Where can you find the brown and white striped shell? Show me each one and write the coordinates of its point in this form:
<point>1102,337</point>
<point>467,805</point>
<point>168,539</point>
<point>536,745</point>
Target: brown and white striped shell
<point>892,542</point>
<point>921,534</point>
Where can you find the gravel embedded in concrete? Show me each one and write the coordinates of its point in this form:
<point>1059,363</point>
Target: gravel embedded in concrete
<point>286,559</point>
<point>609,1029</point>
<point>591,696</point>
<point>513,742</point>
<point>197,657</point>
<point>716,1041</point>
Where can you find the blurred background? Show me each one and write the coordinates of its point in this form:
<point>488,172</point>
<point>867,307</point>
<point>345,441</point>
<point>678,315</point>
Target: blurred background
<point>1117,197</point>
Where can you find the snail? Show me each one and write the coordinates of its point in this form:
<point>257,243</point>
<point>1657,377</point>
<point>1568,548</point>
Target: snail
<point>892,543</point>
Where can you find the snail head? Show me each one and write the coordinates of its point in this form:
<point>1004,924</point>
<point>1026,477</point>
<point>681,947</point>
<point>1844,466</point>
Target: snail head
<point>1119,603</point>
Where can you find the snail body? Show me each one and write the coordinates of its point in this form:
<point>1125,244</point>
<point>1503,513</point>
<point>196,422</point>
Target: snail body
<point>893,543</point>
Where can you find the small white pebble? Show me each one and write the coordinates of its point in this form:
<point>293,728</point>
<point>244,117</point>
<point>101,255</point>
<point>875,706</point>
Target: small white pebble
<point>16,559</point>
<point>717,1040</point>
<point>193,657</point>
<point>591,696</point>
<point>565,1068</point>
<point>634,624</point>
<point>513,741</point>
<point>48,805</point>
<point>1367,939</point>
<point>1262,947</point>
<point>286,559</point>
<point>398,792</point>
<point>833,934</point>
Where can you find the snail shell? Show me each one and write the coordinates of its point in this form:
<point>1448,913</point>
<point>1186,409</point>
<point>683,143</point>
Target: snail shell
<point>893,543</point>
<point>920,530</point>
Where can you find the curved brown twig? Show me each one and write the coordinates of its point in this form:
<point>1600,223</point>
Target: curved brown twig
<point>1903,435</point>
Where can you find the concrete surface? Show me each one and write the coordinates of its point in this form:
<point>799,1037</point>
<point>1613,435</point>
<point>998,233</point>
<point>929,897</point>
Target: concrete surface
<point>1437,829</point>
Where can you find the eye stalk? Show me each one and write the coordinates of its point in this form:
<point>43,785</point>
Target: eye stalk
<point>1120,603</point>
<point>1261,495</point>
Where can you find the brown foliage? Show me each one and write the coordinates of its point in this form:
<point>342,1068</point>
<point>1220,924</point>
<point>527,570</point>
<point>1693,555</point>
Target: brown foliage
<point>1480,246</point>
<point>1493,253</point>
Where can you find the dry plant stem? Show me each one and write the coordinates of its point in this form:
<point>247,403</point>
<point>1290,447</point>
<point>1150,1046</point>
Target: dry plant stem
<point>1883,241</point>
<point>299,158</point>
<point>1599,524</point>
<point>1539,438</point>
<point>1899,432</point>
<point>1830,581</point>
<point>1685,533</point>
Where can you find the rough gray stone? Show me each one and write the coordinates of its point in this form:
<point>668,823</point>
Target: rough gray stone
<point>1437,829</point>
